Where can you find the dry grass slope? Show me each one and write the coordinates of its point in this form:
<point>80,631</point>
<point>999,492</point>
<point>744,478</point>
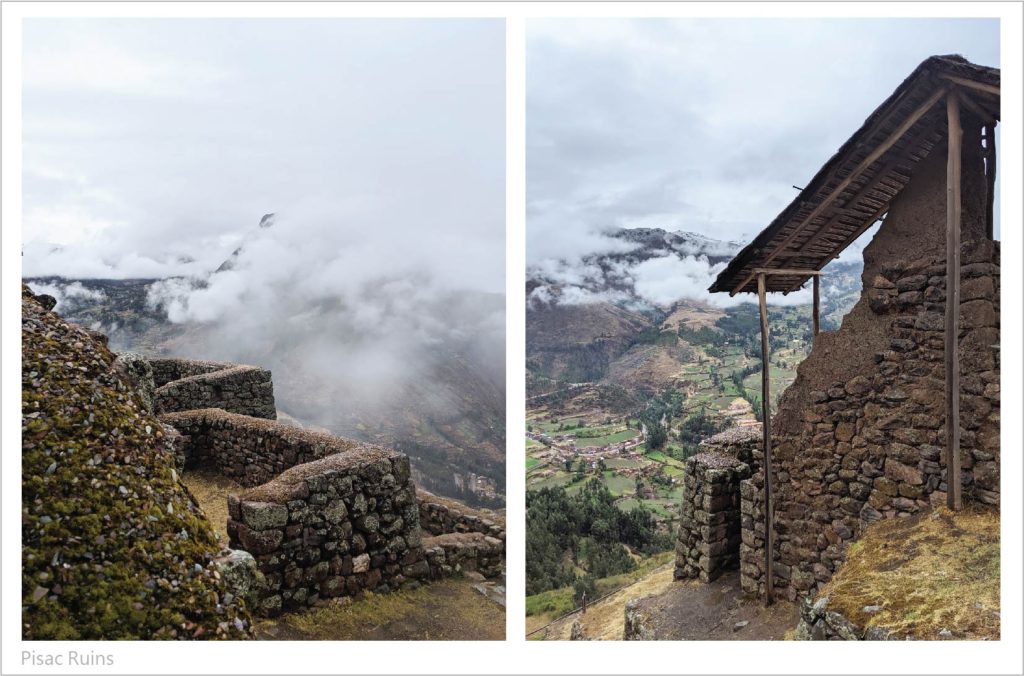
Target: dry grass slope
<point>929,573</point>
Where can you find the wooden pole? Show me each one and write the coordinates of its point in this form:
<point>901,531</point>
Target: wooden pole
<point>973,84</point>
<point>766,433</point>
<point>953,498</point>
<point>990,180</point>
<point>817,303</point>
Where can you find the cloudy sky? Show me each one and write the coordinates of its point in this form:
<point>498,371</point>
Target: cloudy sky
<point>703,125</point>
<point>152,142</point>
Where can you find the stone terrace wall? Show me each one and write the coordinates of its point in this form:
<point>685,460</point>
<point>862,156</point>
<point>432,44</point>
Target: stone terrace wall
<point>184,384</point>
<point>439,516</point>
<point>250,450</point>
<point>709,531</point>
<point>168,369</point>
<point>450,554</point>
<point>460,538</point>
<point>338,526</point>
<point>872,447</point>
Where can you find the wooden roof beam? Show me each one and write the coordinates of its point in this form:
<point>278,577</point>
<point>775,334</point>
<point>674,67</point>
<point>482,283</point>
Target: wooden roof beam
<point>870,185</point>
<point>889,142</point>
<point>877,216</point>
<point>986,117</point>
<point>786,271</point>
<point>973,84</point>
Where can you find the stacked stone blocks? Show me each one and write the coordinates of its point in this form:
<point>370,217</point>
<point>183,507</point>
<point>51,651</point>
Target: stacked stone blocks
<point>339,526</point>
<point>709,532</point>
<point>873,447</point>
<point>323,516</point>
<point>186,384</point>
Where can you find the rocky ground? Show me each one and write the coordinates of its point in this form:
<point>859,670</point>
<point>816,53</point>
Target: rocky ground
<point>717,611</point>
<point>113,545</point>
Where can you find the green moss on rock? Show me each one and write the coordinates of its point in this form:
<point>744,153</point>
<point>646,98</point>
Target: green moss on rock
<point>114,547</point>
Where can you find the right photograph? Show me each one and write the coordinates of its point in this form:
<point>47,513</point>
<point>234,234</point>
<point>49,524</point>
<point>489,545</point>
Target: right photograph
<point>762,329</point>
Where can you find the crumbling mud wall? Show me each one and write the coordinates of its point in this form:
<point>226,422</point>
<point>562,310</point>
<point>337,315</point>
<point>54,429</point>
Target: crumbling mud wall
<point>873,447</point>
<point>250,450</point>
<point>338,526</point>
<point>186,384</point>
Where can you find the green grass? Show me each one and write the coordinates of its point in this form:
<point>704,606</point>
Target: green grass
<point>556,602</point>
<point>531,463</point>
<point>607,440</point>
<point>627,504</point>
<point>557,479</point>
<point>619,484</point>
<point>624,463</point>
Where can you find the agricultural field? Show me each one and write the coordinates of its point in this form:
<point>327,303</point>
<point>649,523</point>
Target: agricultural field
<point>575,441</point>
<point>657,474</point>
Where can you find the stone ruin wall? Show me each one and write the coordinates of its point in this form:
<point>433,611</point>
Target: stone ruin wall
<point>338,526</point>
<point>459,538</point>
<point>249,450</point>
<point>708,539</point>
<point>322,516</point>
<point>860,435</point>
<point>873,447</point>
<point>439,516</point>
<point>187,384</point>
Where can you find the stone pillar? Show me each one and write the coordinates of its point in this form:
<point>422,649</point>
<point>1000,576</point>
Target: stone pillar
<point>709,531</point>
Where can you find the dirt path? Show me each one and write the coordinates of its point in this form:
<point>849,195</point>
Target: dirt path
<point>719,611</point>
<point>682,611</point>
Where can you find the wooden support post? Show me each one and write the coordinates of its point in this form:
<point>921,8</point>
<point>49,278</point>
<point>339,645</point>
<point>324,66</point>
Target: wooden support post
<point>817,304</point>
<point>766,433</point>
<point>953,499</point>
<point>990,179</point>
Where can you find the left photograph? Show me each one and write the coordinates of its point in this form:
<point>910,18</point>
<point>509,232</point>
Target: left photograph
<point>263,329</point>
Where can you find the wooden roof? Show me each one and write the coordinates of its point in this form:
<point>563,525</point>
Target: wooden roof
<point>854,188</point>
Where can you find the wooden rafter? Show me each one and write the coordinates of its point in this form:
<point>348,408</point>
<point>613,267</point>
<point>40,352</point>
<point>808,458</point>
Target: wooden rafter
<point>972,84</point>
<point>872,157</point>
<point>883,174</point>
<point>965,100</point>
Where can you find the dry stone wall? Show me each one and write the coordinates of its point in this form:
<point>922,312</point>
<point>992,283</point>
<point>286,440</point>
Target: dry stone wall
<point>323,516</point>
<point>872,447</point>
<point>439,516</point>
<point>709,531</point>
<point>338,526</point>
<point>185,384</point>
<point>249,450</point>
<point>450,554</point>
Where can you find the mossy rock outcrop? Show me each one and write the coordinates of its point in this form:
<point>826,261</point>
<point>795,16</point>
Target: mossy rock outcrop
<point>114,546</point>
